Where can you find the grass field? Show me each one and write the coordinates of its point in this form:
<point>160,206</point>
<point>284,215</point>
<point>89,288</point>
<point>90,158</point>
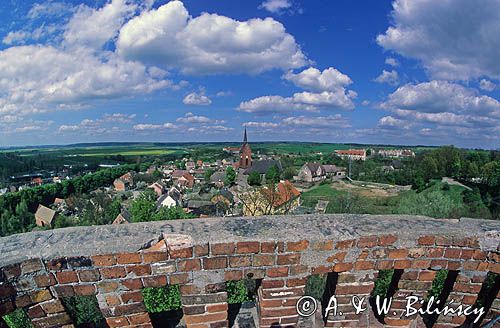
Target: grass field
<point>435,201</point>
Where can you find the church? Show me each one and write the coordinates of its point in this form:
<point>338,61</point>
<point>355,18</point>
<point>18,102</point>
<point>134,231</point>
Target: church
<point>245,153</point>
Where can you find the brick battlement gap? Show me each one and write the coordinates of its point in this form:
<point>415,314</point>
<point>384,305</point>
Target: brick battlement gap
<point>115,262</point>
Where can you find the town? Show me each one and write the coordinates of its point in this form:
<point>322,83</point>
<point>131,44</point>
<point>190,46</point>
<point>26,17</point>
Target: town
<point>243,183</point>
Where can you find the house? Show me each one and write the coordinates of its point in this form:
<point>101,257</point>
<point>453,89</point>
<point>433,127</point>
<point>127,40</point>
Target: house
<point>283,200</point>
<point>124,183</point>
<point>123,217</point>
<point>176,174</point>
<point>334,171</point>
<point>172,198</point>
<point>312,172</point>
<point>218,178</point>
<point>158,188</point>
<point>353,154</point>
<point>395,153</point>
<point>190,165</point>
<point>263,166</point>
<point>223,202</point>
<point>44,216</point>
<point>152,169</point>
<point>186,180</point>
<point>199,163</point>
<point>37,181</point>
<point>201,207</point>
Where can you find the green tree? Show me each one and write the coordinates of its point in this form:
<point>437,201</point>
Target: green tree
<point>170,213</point>
<point>254,179</point>
<point>143,208</point>
<point>230,176</point>
<point>162,299</point>
<point>273,175</point>
<point>208,174</point>
<point>289,173</point>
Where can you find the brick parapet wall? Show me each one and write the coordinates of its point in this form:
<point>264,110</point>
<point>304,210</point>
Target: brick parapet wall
<point>201,268</point>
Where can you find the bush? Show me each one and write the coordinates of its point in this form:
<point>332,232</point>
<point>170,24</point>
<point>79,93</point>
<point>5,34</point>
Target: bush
<point>162,299</point>
<point>382,283</point>
<point>238,291</point>
<point>437,284</point>
<point>84,310</point>
<point>17,319</point>
<point>315,286</point>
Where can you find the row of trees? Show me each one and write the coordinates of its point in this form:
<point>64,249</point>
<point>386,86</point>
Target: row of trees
<point>17,208</point>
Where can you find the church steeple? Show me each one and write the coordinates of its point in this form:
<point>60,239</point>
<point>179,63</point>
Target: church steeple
<point>245,153</point>
<point>245,139</point>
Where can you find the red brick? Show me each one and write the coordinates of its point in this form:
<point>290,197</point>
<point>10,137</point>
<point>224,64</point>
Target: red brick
<point>345,244</point>
<point>322,245</point>
<point>452,253</point>
<point>337,257</point>
<point>140,318</point>
<point>384,265</point>
<point>387,240</point>
<point>247,247</point>
<point>84,289</point>
<point>179,278</point>
<point>133,284</point>
<point>154,281</point>
<point>113,272</point>
<point>287,259</point>
<point>436,252</point>
<point>139,270</point>
<point>201,250</point>
<point>104,260</point>
<point>189,265</point>
<point>426,240</point>
<point>298,269</point>
<point>222,249</point>
<point>268,247</point>
<point>66,277</point>
<point>341,267</point>
<point>233,275</point>
<point>128,258</point>
<point>113,300</point>
<point>297,246</point>
<point>398,253</point>
<point>214,308</point>
<point>45,280</point>
<point>295,282</point>
<point>263,260</point>
<point>182,253</point>
<point>117,322</point>
<point>420,264</point>
<point>364,265</point>
<point>368,241</point>
<point>402,264</point>
<point>277,272</point>
<point>240,261</point>
<point>89,275</point>
<point>212,263</point>
<point>426,275</point>
<point>153,257</point>
<point>132,297</point>
<point>320,270</point>
<point>266,283</point>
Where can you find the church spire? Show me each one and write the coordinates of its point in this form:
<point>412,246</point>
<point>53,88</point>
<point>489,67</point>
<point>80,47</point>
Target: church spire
<point>245,140</point>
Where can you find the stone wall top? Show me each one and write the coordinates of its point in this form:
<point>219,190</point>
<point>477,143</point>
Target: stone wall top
<point>85,241</point>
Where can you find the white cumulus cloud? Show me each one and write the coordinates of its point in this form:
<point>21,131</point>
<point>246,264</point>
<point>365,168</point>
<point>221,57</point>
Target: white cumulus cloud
<point>197,99</point>
<point>209,43</point>
<point>389,77</point>
<point>313,79</point>
<point>454,39</point>
<point>276,6</point>
<point>487,85</point>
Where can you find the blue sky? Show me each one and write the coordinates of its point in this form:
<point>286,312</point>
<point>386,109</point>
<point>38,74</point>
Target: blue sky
<point>394,72</point>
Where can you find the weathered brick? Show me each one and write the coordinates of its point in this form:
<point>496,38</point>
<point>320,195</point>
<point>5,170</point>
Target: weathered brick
<point>57,264</point>
<point>45,280</point>
<point>154,281</point>
<point>31,265</point>
<point>189,265</point>
<point>140,318</point>
<point>398,253</point>
<point>267,247</point>
<point>79,262</point>
<point>233,275</point>
<point>297,246</point>
<point>341,267</point>
<point>345,244</point>
<point>116,322</point>
<point>387,240</point>
<point>113,272</point>
<point>152,257</point>
<point>364,265</point>
<point>133,284</point>
<point>322,245</point>
<point>84,289</point>
<point>277,272</point>
<point>201,250</point>
<point>181,253</point>
<point>288,259</point>
<point>128,258</point>
<point>368,241</point>
<point>63,291</point>
<point>222,249</point>
<point>179,278</point>
<point>426,240</point>
<point>240,261</point>
<point>52,306</point>
<point>132,297</point>
<point>89,275</point>
<point>104,260</point>
<point>213,263</point>
<point>66,277</point>
<point>263,260</point>
<point>40,296</point>
<point>247,247</point>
